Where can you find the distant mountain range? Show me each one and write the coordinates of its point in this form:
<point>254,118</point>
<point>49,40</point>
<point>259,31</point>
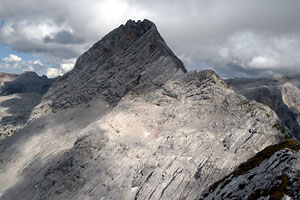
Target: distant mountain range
<point>281,94</point>
<point>19,94</point>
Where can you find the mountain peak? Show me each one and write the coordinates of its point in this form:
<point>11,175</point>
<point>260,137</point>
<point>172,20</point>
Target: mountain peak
<point>145,24</point>
<point>27,82</point>
<point>129,55</point>
<point>120,39</point>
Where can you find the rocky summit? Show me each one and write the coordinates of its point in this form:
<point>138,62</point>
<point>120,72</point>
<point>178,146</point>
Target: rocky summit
<point>133,53</point>
<point>129,122</point>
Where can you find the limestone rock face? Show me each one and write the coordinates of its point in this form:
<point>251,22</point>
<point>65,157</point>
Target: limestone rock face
<point>131,54</point>
<point>272,174</point>
<point>128,122</point>
<point>282,94</point>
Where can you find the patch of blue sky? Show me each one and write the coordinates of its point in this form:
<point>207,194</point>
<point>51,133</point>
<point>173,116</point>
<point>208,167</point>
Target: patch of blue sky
<point>2,22</point>
<point>6,50</point>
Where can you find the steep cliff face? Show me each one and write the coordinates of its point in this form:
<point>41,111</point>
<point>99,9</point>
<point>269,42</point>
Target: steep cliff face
<point>282,94</point>
<point>128,122</point>
<point>131,54</point>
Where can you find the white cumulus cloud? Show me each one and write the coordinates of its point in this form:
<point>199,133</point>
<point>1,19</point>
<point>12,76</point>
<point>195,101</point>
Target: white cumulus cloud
<point>263,62</point>
<point>14,63</point>
<point>53,72</point>
<point>12,58</point>
<point>67,65</point>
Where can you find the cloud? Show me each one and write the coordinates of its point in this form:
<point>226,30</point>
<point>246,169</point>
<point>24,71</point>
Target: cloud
<point>263,62</point>
<point>252,34</point>
<point>14,63</point>
<point>66,66</point>
<point>260,53</point>
<point>53,72</point>
<point>12,59</point>
<point>64,37</point>
<point>36,38</point>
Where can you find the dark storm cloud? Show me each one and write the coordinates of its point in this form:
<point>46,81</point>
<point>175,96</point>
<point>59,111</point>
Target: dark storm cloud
<point>58,51</point>
<point>230,70</point>
<point>64,37</point>
<point>237,38</point>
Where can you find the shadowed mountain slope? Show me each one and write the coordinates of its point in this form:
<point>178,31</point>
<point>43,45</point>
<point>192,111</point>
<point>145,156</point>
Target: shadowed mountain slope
<point>19,94</point>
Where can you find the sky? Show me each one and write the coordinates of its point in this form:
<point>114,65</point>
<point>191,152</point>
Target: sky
<point>236,38</point>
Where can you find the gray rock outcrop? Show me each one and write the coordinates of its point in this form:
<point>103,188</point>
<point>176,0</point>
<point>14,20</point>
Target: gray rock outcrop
<point>282,94</point>
<point>272,174</point>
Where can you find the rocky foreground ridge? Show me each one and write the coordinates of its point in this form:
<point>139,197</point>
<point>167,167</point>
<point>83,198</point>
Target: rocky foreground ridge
<point>271,174</point>
<point>129,122</point>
